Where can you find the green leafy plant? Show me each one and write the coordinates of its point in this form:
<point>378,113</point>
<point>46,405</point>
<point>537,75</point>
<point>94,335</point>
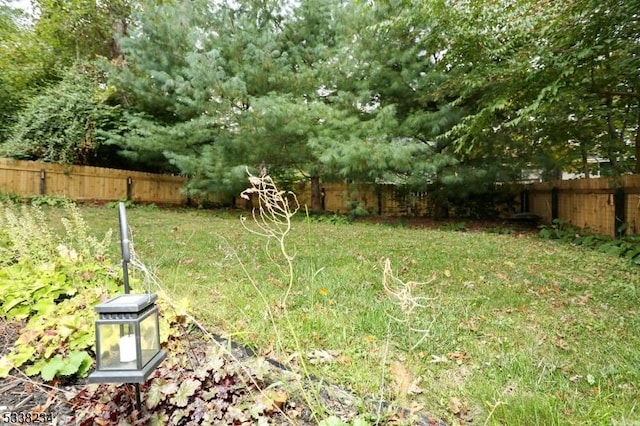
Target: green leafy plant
<point>454,226</point>
<point>9,197</point>
<point>194,387</point>
<point>335,219</point>
<point>627,246</point>
<point>52,288</point>
<point>127,203</point>
<point>48,200</point>
<point>356,209</point>
<point>501,230</point>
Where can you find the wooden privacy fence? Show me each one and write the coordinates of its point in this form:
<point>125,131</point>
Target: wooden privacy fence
<point>601,204</point>
<point>383,200</point>
<point>85,183</point>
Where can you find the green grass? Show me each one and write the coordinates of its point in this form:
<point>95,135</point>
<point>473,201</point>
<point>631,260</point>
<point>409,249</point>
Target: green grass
<point>521,331</point>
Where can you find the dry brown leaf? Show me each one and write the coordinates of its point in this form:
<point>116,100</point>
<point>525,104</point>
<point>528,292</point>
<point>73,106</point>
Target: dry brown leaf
<point>455,405</point>
<point>458,357</point>
<point>321,356</point>
<point>414,387</point>
<point>437,359</point>
<point>402,379</point>
<point>344,359</point>
<point>269,351</point>
<point>273,399</point>
<point>561,343</point>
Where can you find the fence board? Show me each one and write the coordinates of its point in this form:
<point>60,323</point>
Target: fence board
<point>86,183</point>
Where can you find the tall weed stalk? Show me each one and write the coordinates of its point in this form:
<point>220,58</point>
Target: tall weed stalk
<point>272,220</point>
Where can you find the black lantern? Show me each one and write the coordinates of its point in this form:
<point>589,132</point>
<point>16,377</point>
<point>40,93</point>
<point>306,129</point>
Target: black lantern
<point>127,339</point>
<point>127,330</point>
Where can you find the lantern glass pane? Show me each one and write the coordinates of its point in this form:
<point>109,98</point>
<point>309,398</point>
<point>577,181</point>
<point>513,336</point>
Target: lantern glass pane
<point>149,341</point>
<point>117,345</point>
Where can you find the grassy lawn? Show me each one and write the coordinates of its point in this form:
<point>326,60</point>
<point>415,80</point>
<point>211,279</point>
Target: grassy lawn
<point>511,330</point>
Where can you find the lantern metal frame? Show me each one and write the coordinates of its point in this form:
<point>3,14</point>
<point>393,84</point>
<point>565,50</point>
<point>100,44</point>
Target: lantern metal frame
<point>127,312</point>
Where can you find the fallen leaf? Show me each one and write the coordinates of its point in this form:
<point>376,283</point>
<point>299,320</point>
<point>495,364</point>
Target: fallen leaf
<point>455,405</point>
<point>437,359</point>
<point>402,379</point>
<point>272,400</point>
<point>561,343</point>
<point>320,356</point>
<point>503,277</point>
<point>414,387</point>
<point>344,360</point>
<point>447,273</point>
<point>269,351</point>
<point>458,357</point>
<point>323,291</point>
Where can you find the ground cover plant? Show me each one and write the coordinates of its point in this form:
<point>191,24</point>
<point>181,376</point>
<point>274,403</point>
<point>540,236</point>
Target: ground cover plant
<point>509,329</point>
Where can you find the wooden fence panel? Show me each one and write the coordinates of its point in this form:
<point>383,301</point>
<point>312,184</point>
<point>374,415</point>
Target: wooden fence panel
<point>589,203</point>
<point>85,183</point>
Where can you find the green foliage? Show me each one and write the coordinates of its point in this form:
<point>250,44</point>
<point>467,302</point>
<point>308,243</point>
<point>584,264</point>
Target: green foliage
<point>627,247</point>
<point>127,203</point>
<point>48,200</point>
<point>61,124</point>
<point>454,226</point>
<point>37,50</point>
<point>9,197</point>
<point>29,237</point>
<point>51,283</point>
<point>453,98</point>
<point>335,219</point>
<point>501,230</point>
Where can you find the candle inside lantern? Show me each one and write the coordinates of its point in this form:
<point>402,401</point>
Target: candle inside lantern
<point>127,348</point>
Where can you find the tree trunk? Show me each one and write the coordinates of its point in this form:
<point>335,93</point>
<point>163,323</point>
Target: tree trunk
<point>316,195</point>
<point>585,162</point>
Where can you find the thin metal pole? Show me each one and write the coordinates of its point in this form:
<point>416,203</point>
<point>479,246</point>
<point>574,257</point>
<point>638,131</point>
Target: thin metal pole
<point>124,244</point>
<point>138,399</point>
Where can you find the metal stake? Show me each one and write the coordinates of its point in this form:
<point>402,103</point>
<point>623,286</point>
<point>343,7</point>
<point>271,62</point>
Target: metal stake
<point>124,244</point>
<point>138,398</point>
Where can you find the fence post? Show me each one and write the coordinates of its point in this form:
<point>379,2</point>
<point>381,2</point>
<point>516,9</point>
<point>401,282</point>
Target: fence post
<point>620,217</point>
<point>379,195</point>
<point>43,182</point>
<point>554,203</point>
<point>524,201</point>
<point>129,187</point>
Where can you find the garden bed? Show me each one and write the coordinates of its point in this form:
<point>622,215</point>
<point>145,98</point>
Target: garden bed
<point>75,402</point>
